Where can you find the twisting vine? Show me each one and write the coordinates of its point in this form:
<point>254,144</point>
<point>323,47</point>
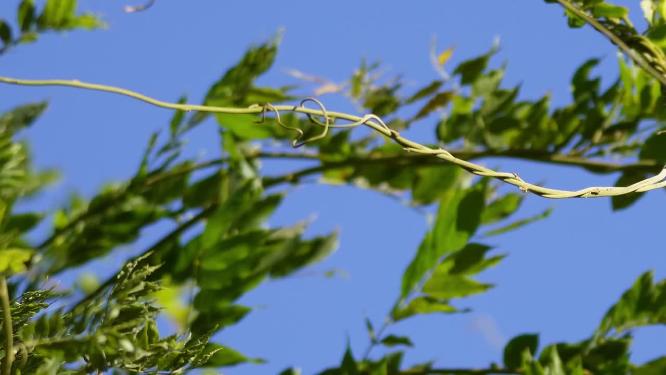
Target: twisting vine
<point>370,120</point>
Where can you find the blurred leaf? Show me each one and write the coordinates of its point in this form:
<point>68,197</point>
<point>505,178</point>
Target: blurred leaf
<point>5,32</point>
<point>519,223</point>
<point>302,253</point>
<point>393,340</point>
<point>439,100</point>
<point>431,182</point>
<point>470,70</point>
<point>609,11</point>
<point>443,57</point>
<point>225,356</point>
<point>21,117</point>
<point>627,178</point>
<point>654,148</point>
<point>513,350</point>
<point>13,261</point>
<point>501,208</point>
<point>61,15</point>
<point>236,82</point>
<point>23,222</point>
<point>371,330</point>
<point>382,100</point>
<point>443,285</point>
<point>422,305</point>
<point>643,304</point>
<point>26,15</point>
<point>424,92</point>
<point>245,126</point>
<point>655,367</point>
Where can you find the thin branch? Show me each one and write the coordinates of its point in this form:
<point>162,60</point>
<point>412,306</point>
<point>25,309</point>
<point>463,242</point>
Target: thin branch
<point>7,327</point>
<point>373,122</point>
<point>402,160</point>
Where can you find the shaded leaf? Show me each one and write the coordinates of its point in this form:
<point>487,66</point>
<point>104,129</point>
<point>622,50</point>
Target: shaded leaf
<point>621,202</point>
<point>393,340</point>
<point>514,349</point>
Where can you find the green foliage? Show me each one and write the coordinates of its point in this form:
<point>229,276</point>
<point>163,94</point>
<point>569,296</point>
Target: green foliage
<point>54,15</point>
<point>518,348</point>
<point>217,244</point>
<point>643,304</point>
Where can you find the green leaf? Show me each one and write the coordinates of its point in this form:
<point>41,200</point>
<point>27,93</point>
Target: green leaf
<point>609,11</point>
<point>627,178</point>
<point>245,127</point>
<point>26,15</point>
<point>655,367</point>
<point>393,340</point>
<point>431,182</point>
<point>422,305</point>
<point>206,190</point>
<point>457,219</point>
<point>519,223</point>
<point>514,349</point>
<point>470,260</point>
<point>437,101</point>
<point>349,365</point>
<point>23,222</point>
<point>471,70</point>
<point>382,101</point>
<point>5,32</point>
<point>216,314</point>
<point>21,117</point>
<point>226,356</point>
<point>501,208</point>
<point>443,285</point>
<point>372,335</point>
<point>13,260</point>
<point>61,15</point>
<point>299,254</point>
<point>643,304</point>
<point>237,82</point>
<point>425,91</point>
<point>654,148</point>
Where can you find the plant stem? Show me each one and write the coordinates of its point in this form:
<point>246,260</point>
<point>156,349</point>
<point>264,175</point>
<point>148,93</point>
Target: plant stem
<point>376,124</point>
<point>7,327</point>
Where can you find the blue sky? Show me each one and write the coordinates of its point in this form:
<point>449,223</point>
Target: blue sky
<point>561,274</point>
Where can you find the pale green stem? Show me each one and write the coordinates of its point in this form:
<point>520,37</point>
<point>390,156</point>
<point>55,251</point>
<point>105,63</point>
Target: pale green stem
<point>375,123</point>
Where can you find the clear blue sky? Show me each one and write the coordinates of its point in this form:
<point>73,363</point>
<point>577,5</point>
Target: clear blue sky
<point>561,274</point>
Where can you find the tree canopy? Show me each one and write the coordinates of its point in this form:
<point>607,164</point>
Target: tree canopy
<point>218,242</point>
